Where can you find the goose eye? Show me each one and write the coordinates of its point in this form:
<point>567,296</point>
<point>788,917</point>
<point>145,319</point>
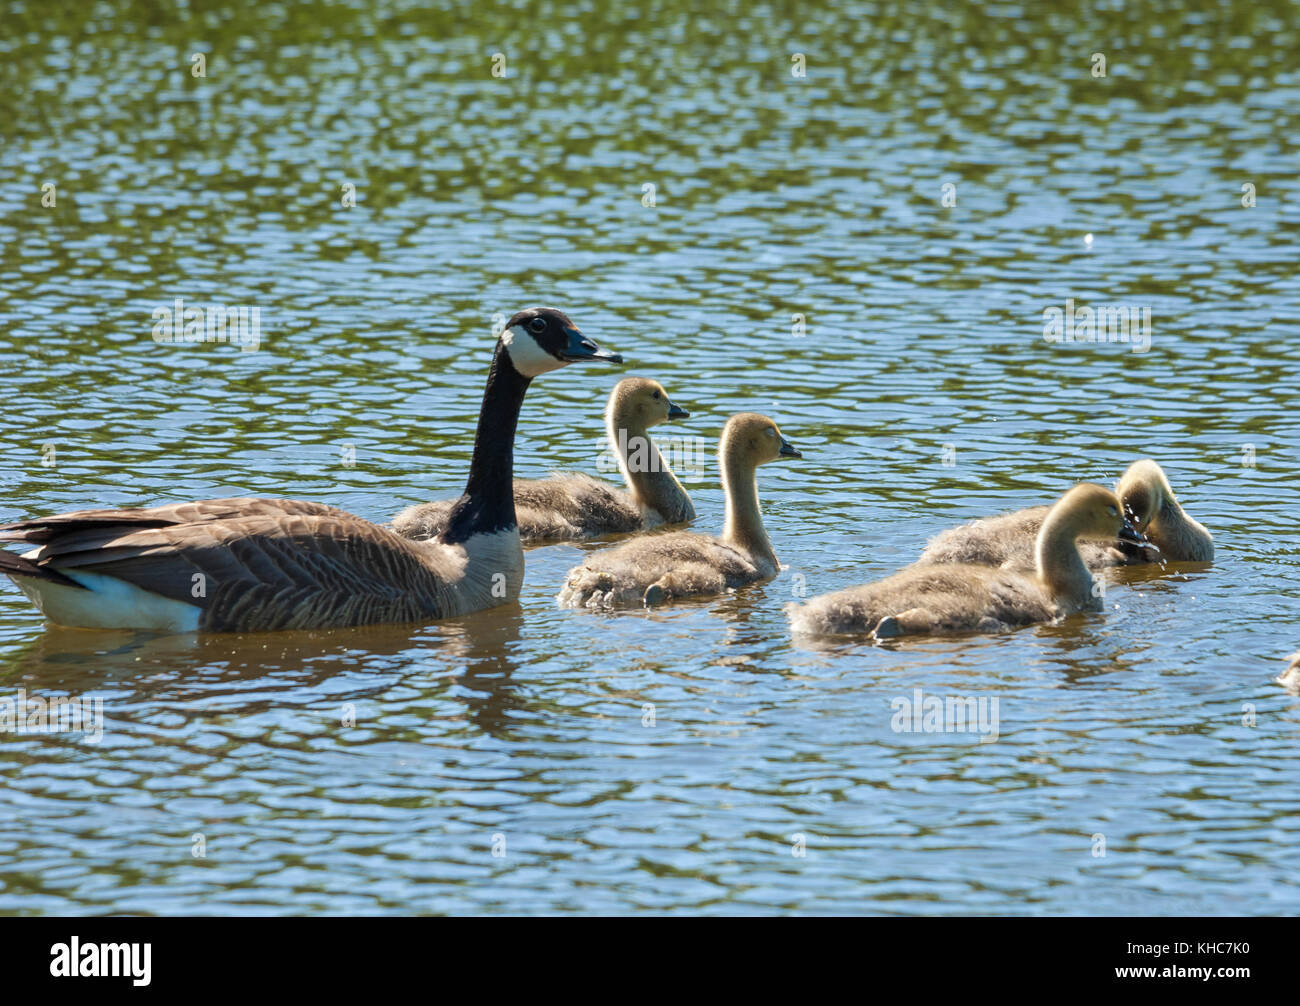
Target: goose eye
<point>537,325</point>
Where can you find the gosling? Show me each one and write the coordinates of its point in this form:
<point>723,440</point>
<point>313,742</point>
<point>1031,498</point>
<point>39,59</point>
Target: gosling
<point>1008,540</point>
<point>661,568</point>
<point>1290,678</point>
<point>944,599</point>
<point>1155,511</point>
<point>571,505</point>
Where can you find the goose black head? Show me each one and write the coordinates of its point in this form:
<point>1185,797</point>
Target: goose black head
<point>541,339</point>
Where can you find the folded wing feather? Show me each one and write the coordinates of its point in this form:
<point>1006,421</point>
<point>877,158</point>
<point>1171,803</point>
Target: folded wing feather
<point>253,565</point>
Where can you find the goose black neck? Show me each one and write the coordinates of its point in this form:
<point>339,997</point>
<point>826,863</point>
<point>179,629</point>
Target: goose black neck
<point>489,501</point>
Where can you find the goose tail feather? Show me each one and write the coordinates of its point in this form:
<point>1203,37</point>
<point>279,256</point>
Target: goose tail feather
<point>12,564</point>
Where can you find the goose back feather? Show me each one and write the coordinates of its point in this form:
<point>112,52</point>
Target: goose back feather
<point>282,564</point>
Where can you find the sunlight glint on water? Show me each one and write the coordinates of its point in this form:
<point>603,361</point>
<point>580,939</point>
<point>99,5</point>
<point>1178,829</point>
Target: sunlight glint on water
<point>921,391</point>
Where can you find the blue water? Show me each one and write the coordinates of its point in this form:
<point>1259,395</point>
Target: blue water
<point>506,763</point>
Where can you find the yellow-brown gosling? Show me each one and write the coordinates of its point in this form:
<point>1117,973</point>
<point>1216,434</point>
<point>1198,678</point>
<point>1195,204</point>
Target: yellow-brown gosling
<point>1290,678</point>
<point>570,505</point>
<point>948,598</point>
<point>660,568</point>
<point>1008,539</point>
<point>246,565</point>
<point>1155,511</point>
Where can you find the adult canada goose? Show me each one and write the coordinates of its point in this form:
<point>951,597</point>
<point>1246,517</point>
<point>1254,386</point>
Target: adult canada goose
<point>261,564</point>
<point>1008,540</point>
<point>960,598</point>
<point>573,505</point>
<point>658,568</point>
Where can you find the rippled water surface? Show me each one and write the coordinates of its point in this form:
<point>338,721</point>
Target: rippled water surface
<point>507,762</point>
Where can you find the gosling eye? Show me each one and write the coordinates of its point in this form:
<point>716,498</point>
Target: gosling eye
<point>1112,511</point>
<point>656,396</point>
<point>537,325</point>
<point>771,432</point>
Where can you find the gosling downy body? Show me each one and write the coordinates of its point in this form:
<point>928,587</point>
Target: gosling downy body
<point>250,565</point>
<point>1155,511</point>
<point>571,505</point>
<point>1009,539</point>
<point>948,598</point>
<point>1290,678</point>
<point>660,568</point>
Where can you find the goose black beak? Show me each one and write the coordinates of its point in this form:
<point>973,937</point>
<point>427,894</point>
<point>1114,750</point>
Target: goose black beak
<point>1132,535</point>
<point>677,412</point>
<point>581,348</point>
<point>788,450</point>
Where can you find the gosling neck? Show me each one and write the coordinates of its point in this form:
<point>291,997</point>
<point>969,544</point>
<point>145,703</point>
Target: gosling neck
<point>744,525</point>
<point>1178,535</point>
<point>488,504</point>
<point>1060,567</point>
<point>650,481</point>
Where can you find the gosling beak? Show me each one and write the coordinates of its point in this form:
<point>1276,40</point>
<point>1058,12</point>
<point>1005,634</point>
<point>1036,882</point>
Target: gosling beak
<point>788,450</point>
<point>581,348</point>
<point>677,412</point>
<point>1131,534</point>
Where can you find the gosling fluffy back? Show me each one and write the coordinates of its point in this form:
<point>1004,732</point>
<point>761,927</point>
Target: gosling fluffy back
<point>946,598</point>
<point>684,564</point>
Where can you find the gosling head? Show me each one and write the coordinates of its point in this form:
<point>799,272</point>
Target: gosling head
<point>1095,512</point>
<point>1143,489</point>
<point>541,339</point>
<point>754,439</point>
<point>641,402</point>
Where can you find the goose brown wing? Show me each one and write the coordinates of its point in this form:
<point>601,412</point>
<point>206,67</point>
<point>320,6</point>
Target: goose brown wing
<point>113,522</point>
<point>264,572</point>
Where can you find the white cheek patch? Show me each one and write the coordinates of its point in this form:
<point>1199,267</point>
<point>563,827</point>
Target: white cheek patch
<point>528,357</point>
